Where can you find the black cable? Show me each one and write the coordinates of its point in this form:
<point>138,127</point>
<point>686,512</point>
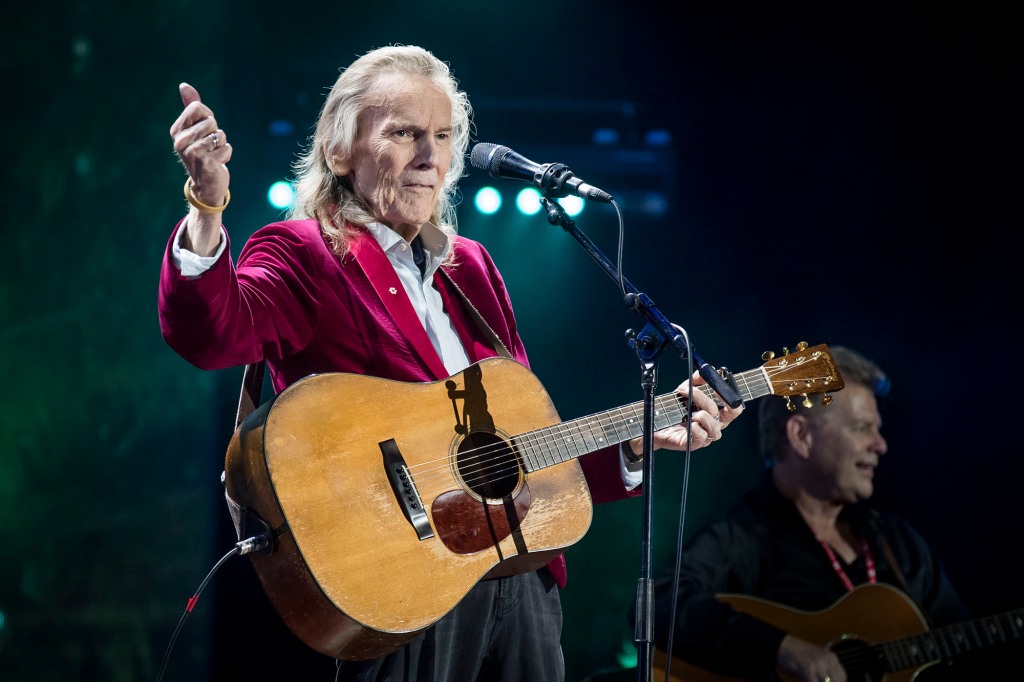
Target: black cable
<point>243,547</point>
<point>684,496</point>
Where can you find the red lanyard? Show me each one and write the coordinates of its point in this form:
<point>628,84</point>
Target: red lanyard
<point>869,561</point>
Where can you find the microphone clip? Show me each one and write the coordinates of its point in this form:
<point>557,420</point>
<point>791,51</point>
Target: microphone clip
<point>553,178</point>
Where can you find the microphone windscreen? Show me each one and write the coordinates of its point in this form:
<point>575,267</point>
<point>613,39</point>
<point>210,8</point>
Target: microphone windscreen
<point>485,157</point>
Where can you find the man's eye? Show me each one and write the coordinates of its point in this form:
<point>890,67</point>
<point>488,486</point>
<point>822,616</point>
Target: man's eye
<point>402,133</point>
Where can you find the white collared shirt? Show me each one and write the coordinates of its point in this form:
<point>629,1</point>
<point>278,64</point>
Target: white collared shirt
<point>426,300</point>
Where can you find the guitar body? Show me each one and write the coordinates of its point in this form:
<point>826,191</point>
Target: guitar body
<point>350,573</point>
<point>388,501</point>
<point>872,614</point>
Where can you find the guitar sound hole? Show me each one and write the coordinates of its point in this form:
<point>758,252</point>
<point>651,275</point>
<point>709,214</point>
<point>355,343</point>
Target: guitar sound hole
<point>487,465</point>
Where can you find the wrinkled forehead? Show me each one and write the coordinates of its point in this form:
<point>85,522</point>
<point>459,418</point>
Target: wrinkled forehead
<point>402,95</point>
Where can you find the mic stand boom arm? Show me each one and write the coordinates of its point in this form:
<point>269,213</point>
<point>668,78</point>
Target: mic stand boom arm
<point>648,346</point>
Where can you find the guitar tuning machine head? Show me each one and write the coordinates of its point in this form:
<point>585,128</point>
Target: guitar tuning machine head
<point>800,347</point>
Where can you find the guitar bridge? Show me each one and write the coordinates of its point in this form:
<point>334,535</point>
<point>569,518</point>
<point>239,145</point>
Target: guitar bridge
<point>405,492</point>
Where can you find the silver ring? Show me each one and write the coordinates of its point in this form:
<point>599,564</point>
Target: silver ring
<point>214,141</point>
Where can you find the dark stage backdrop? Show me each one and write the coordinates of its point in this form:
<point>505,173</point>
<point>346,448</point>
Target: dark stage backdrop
<point>843,173</point>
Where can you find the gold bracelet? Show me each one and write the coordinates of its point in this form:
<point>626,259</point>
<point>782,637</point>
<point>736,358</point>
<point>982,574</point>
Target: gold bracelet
<point>203,208</point>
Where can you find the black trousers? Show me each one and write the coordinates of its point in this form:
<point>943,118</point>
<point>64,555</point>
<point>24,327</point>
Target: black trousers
<point>504,630</point>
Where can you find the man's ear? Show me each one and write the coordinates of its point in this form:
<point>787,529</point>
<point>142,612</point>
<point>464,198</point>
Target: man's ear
<point>798,433</point>
<point>338,164</point>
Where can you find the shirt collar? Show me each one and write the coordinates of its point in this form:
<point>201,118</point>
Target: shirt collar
<point>435,243</point>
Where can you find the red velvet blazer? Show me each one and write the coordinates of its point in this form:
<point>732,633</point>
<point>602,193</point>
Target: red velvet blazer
<point>292,302</point>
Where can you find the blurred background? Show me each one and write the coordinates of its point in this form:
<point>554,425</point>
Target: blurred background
<point>840,173</point>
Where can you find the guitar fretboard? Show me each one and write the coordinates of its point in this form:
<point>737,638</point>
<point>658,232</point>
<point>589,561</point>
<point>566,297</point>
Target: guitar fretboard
<point>571,439</point>
<point>944,643</point>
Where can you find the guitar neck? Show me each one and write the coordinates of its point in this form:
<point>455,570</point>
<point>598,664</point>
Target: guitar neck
<point>556,444</point>
<point>944,643</point>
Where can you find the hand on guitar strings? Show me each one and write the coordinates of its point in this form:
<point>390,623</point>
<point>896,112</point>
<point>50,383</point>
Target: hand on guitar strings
<point>708,419</point>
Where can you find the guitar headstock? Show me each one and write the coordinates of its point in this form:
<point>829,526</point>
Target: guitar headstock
<point>805,371</point>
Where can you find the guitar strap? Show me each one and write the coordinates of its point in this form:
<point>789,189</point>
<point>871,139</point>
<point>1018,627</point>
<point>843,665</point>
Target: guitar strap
<point>499,347</point>
<point>887,550</point>
<point>252,389</point>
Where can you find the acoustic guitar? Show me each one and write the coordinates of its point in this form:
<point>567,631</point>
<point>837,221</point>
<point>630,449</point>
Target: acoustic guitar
<point>877,632</point>
<point>388,501</point>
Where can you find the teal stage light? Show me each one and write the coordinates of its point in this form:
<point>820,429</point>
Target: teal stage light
<point>573,205</point>
<point>528,201</point>
<point>281,195</point>
<point>487,200</point>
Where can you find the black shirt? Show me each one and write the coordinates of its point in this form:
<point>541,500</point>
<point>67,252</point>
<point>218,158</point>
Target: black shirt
<point>763,548</point>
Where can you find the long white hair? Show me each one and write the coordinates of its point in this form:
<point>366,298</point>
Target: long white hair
<point>320,194</point>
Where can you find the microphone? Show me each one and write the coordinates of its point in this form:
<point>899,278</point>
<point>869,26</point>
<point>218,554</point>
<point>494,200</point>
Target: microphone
<point>554,179</point>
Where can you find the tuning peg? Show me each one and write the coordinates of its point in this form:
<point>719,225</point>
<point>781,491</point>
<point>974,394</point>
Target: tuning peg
<point>767,355</point>
<point>826,399</point>
<point>802,346</point>
<point>806,401</point>
<point>789,405</point>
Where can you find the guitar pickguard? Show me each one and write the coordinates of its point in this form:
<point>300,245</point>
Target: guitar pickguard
<point>467,524</point>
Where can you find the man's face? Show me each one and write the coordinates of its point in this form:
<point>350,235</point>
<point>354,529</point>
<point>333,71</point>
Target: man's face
<point>847,443</point>
<point>402,151</point>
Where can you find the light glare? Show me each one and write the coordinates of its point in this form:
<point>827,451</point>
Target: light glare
<point>528,201</point>
<point>281,195</point>
<point>487,200</point>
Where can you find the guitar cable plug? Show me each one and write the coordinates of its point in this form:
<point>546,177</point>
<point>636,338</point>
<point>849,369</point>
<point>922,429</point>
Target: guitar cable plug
<point>256,543</point>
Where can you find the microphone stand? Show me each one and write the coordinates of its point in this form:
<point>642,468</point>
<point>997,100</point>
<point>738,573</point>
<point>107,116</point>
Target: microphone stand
<point>648,344</point>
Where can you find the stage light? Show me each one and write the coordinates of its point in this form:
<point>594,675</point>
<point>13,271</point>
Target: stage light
<point>658,137</point>
<point>281,195</point>
<point>654,204</point>
<point>281,128</point>
<point>487,200</point>
<point>528,201</point>
<point>573,205</point>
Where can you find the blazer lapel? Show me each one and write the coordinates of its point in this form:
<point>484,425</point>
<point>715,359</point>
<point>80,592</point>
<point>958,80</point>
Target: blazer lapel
<point>382,276</point>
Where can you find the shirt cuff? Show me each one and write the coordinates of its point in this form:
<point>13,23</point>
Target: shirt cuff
<point>190,264</point>
<point>631,479</point>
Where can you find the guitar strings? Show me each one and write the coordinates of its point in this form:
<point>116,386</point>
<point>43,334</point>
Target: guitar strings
<point>934,645</point>
<point>495,459</point>
<point>552,440</point>
<point>560,437</point>
<point>541,440</point>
